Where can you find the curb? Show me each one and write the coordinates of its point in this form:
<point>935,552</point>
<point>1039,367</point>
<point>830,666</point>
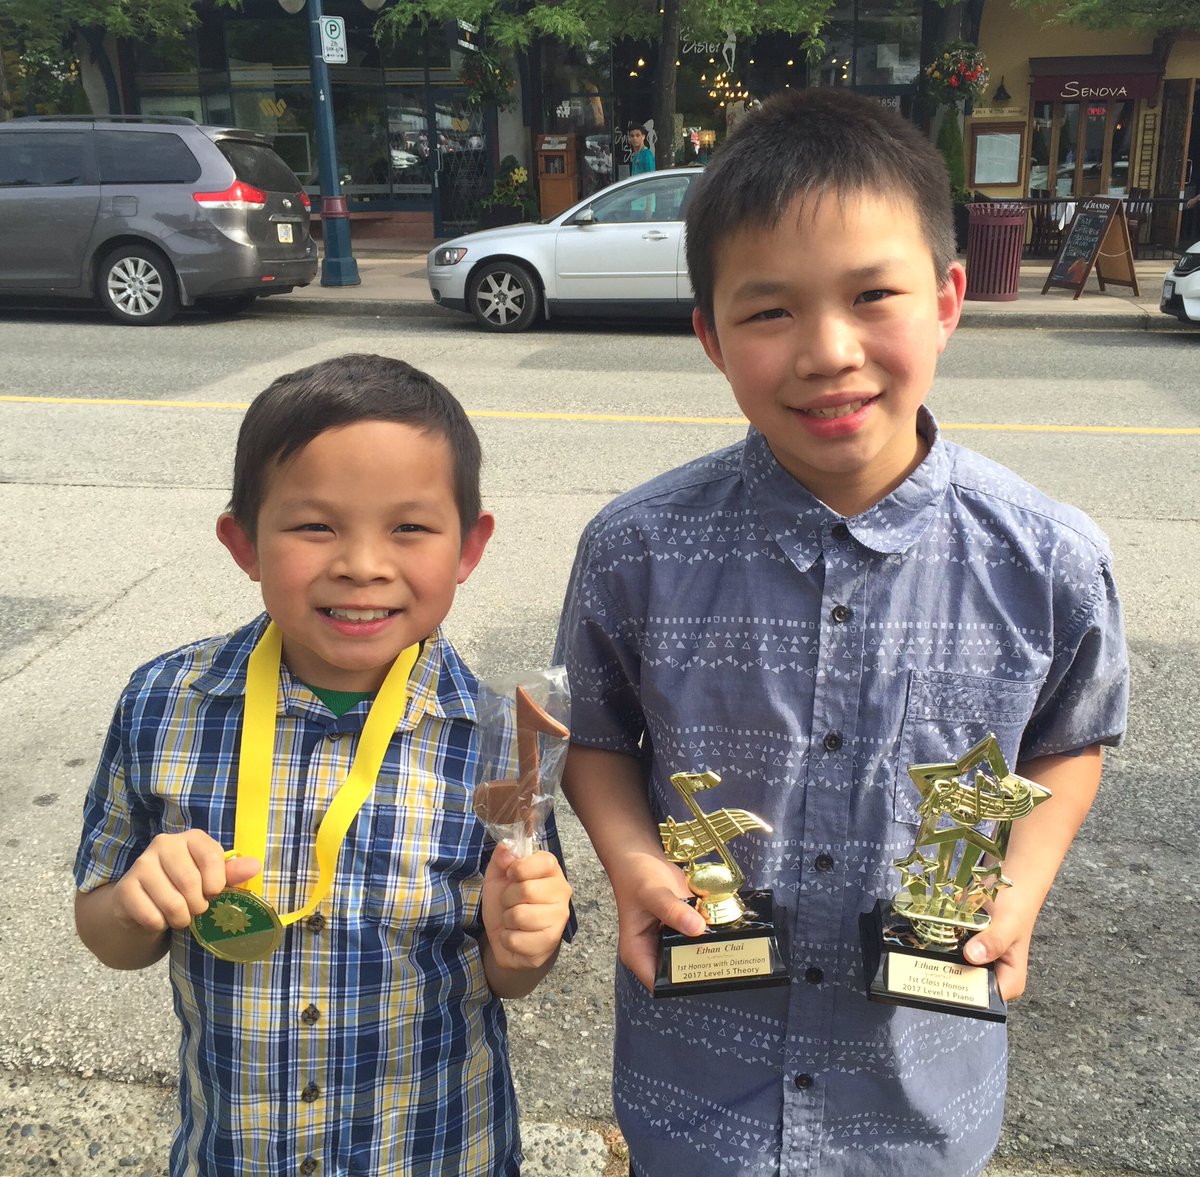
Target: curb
<point>378,307</point>
<point>1132,320</point>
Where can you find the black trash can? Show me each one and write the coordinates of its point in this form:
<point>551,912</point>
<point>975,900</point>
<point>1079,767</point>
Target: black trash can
<point>995,240</point>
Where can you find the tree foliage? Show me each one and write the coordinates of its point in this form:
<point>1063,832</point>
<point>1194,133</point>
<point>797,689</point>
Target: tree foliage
<point>40,40</point>
<point>582,23</point>
<point>1154,16</point>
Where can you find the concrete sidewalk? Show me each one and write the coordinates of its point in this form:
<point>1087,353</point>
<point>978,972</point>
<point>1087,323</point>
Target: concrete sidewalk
<point>393,281</point>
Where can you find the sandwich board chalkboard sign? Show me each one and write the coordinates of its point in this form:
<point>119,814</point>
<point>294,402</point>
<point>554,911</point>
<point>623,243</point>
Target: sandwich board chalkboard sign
<point>1098,238</point>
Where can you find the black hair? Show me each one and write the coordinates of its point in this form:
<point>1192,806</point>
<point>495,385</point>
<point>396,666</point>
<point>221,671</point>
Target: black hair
<point>300,406</point>
<point>806,144</point>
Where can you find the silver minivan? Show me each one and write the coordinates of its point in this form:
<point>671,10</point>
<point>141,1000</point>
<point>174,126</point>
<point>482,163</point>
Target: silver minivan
<point>147,214</point>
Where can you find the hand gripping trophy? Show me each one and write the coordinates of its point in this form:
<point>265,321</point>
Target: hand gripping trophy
<point>912,945</point>
<point>742,946</point>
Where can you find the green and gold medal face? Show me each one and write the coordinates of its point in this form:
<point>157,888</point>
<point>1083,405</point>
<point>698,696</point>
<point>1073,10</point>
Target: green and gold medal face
<point>238,926</point>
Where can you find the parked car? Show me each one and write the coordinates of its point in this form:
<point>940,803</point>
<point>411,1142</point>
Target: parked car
<point>147,214</point>
<point>1181,287</point>
<point>618,253</point>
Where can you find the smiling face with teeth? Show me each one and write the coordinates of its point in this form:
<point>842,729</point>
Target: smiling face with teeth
<point>359,550</point>
<point>828,328</point>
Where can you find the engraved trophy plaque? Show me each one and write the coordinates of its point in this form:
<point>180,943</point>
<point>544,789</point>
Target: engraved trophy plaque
<point>912,944</point>
<point>743,946</point>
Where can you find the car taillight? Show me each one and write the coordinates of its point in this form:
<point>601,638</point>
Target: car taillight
<point>238,195</point>
<point>303,197</point>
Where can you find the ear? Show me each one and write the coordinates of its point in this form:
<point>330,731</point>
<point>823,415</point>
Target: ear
<point>950,302</point>
<point>473,544</point>
<point>239,544</point>
<point>708,339</point>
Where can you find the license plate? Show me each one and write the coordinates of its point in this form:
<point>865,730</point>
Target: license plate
<point>285,233</point>
<point>1168,290</point>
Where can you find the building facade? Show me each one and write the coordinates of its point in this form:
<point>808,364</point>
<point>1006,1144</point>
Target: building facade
<point>1087,113</point>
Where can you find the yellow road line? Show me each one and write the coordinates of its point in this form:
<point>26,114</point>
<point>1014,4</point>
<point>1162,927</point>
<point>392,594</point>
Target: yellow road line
<point>617,418</point>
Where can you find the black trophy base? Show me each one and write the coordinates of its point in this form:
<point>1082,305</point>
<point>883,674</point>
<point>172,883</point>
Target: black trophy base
<point>748,954</point>
<point>941,982</point>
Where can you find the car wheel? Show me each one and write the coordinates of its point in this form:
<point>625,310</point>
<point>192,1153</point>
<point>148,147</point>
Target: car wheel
<point>504,297</point>
<point>136,286</point>
<point>229,304</point>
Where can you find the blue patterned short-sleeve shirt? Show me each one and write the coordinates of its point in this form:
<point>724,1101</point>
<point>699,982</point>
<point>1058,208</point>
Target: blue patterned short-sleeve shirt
<point>369,1042</point>
<point>721,618</point>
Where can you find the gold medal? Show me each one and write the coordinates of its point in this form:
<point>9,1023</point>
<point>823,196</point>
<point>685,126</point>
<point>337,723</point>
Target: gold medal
<point>238,926</point>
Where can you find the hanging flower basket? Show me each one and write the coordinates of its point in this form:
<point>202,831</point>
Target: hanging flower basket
<point>957,73</point>
<point>487,79</point>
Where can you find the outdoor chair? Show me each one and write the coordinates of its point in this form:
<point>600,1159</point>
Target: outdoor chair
<point>1045,235</point>
<point>1137,216</point>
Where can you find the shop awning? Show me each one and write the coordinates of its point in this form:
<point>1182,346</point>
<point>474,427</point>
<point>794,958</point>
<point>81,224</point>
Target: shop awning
<point>1094,79</point>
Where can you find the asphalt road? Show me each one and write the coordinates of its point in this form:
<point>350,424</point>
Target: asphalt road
<point>115,446</point>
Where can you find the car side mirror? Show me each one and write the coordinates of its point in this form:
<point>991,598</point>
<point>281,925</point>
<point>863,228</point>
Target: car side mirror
<point>584,216</point>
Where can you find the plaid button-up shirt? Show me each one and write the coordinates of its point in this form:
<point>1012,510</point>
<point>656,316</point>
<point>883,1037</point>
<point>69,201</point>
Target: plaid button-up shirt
<point>370,1042</point>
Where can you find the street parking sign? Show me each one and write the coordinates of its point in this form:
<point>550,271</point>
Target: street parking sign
<point>333,40</point>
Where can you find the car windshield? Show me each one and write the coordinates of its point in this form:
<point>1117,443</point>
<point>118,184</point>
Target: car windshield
<point>257,164</point>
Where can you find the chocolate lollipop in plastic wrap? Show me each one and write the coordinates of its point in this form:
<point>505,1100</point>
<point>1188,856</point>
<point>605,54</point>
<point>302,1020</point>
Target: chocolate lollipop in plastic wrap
<point>512,810</point>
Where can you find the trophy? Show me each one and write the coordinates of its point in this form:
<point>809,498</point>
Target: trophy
<point>912,945</point>
<point>743,946</point>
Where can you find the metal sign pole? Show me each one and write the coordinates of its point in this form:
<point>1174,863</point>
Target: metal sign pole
<point>338,267</point>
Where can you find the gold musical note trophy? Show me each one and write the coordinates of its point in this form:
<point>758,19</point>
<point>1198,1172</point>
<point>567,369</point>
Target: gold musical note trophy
<point>743,946</point>
<point>912,944</point>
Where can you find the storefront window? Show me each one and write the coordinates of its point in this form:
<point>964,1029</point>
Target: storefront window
<point>837,63</point>
<point>887,44</point>
<point>282,41</point>
<point>1120,144</point>
<point>1039,149</point>
<point>870,43</point>
<point>1068,135</point>
<point>1089,143</point>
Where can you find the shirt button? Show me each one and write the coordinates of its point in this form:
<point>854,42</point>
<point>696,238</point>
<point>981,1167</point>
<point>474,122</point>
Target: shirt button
<point>841,613</point>
<point>310,1093</point>
<point>814,976</point>
<point>315,922</point>
<point>804,1082</point>
<point>310,1016</point>
<point>308,1166</point>
<point>841,531</point>
<point>824,862</point>
<point>832,741</point>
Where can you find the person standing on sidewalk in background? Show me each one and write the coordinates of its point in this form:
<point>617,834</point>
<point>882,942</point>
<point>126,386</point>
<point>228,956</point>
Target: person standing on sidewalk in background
<point>641,158</point>
<point>806,614</point>
<point>331,746</point>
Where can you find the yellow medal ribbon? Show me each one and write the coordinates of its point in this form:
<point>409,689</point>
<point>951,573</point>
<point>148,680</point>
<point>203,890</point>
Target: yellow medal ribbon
<point>257,755</point>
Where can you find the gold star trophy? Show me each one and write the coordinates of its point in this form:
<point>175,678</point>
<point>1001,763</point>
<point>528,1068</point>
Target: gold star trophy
<point>912,944</point>
<point>743,946</point>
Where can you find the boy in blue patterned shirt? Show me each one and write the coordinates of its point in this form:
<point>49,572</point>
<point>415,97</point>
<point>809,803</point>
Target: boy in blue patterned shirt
<point>372,1039</point>
<point>807,613</point>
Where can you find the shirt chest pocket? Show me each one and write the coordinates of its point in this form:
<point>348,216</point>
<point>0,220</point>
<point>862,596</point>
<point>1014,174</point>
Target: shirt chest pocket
<point>946,715</point>
<point>424,866</point>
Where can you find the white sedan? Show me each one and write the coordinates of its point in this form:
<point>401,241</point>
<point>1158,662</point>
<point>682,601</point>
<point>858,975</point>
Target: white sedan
<point>1181,287</point>
<point>618,253</point>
